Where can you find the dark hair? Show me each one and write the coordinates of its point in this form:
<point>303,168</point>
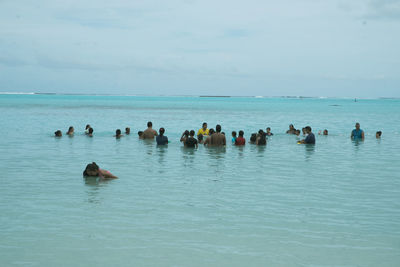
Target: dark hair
<point>118,132</point>
<point>211,131</point>
<point>191,133</point>
<point>308,128</point>
<point>69,129</point>
<point>58,133</point>
<point>140,133</point>
<point>127,129</point>
<point>218,128</point>
<point>161,131</point>
<point>234,133</point>
<point>90,167</point>
<point>241,133</point>
<point>260,132</point>
<point>204,123</point>
<point>253,137</point>
<point>185,133</point>
<point>268,128</point>
<point>87,126</point>
<point>149,124</point>
<point>200,137</point>
<point>379,133</point>
<point>90,130</point>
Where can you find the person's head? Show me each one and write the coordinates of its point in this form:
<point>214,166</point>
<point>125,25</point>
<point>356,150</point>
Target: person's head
<point>87,126</point>
<point>233,133</point>
<point>241,133</point>
<point>211,131</point>
<point>58,133</point>
<point>186,133</point>
<point>140,133</point>
<point>204,125</point>
<point>200,137</point>
<point>161,131</point>
<point>378,134</point>
<point>268,129</point>
<point>357,126</point>
<point>297,132</point>
<point>90,130</point>
<point>308,129</point>
<point>127,130</point>
<point>191,133</point>
<point>218,128</point>
<point>91,170</point>
<point>253,137</point>
<point>303,130</point>
<point>70,129</point>
<point>149,124</point>
<point>118,132</point>
<point>325,132</point>
<point>291,127</point>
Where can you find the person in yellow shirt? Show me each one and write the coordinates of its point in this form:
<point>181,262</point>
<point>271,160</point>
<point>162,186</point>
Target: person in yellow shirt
<point>203,131</point>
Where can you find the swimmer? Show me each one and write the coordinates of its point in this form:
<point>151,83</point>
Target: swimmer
<point>200,139</point>
<point>268,133</point>
<point>140,134</point>
<point>127,130</point>
<point>204,131</point>
<point>87,128</point>
<point>297,132</point>
<point>357,133</point>
<point>304,131</point>
<point>310,139</point>
<point>93,170</point>
<point>90,132</point>
<point>161,139</point>
<point>253,138</point>
<point>149,133</point>
<point>325,132</point>
<point>191,141</point>
<point>261,139</point>
<point>240,141</point>
<point>378,134</point>
<point>58,133</point>
<point>118,134</point>
<point>217,138</point>
<point>184,137</point>
<point>291,130</point>
<point>233,137</point>
<point>70,131</point>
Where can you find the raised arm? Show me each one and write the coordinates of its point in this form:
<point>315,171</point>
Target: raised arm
<point>107,174</point>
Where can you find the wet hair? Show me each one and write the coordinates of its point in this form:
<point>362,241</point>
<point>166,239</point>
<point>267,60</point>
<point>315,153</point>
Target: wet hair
<point>260,132</point>
<point>379,133</point>
<point>140,133</point>
<point>297,131</point>
<point>87,126</point>
<point>223,133</point>
<point>149,124</point>
<point>234,133</point>
<point>58,133</point>
<point>118,132</point>
<point>211,131</point>
<point>218,128</point>
<point>191,133</point>
<point>70,129</point>
<point>204,123</point>
<point>186,133</point>
<point>161,131</point>
<point>268,128</point>
<point>241,133</point>
<point>200,137</point>
<point>308,128</point>
<point>253,137</point>
<point>291,126</point>
<point>127,130</point>
<point>90,130</point>
<point>325,131</point>
<point>90,167</point>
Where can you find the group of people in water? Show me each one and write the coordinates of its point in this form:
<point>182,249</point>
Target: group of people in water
<point>208,137</point>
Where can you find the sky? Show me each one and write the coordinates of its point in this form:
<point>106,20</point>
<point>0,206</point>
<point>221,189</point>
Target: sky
<point>333,48</point>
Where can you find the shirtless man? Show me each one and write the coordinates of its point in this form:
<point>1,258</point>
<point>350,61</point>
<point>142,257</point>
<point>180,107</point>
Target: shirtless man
<point>149,133</point>
<point>217,138</point>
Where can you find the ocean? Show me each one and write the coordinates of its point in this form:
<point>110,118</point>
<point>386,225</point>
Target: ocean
<point>333,204</point>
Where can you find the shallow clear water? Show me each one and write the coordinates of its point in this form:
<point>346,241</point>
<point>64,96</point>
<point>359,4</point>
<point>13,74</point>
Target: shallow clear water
<point>332,204</point>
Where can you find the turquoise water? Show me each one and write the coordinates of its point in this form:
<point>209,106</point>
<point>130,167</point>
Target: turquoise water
<point>333,204</point>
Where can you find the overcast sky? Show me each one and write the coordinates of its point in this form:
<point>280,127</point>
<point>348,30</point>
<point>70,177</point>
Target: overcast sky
<point>271,48</point>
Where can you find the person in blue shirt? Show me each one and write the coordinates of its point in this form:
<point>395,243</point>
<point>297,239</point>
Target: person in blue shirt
<point>161,139</point>
<point>310,139</point>
<point>357,133</point>
<point>233,137</point>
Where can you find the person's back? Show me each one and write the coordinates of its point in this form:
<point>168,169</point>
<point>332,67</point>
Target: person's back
<point>240,141</point>
<point>149,133</point>
<point>217,139</point>
<point>161,139</point>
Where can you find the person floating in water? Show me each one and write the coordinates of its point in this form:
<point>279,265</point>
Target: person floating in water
<point>268,133</point>
<point>191,141</point>
<point>127,130</point>
<point>325,132</point>
<point>118,134</point>
<point>240,141</point>
<point>87,128</point>
<point>378,134</point>
<point>203,131</point>
<point>58,133</point>
<point>217,138</point>
<point>291,130</point>
<point>70,131</point>
<point>310,139</point>
<point>233,137</point>
<point>149,133</point>
<point>357,133</point>
<point>161,139</point>
<point>93,170</point>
